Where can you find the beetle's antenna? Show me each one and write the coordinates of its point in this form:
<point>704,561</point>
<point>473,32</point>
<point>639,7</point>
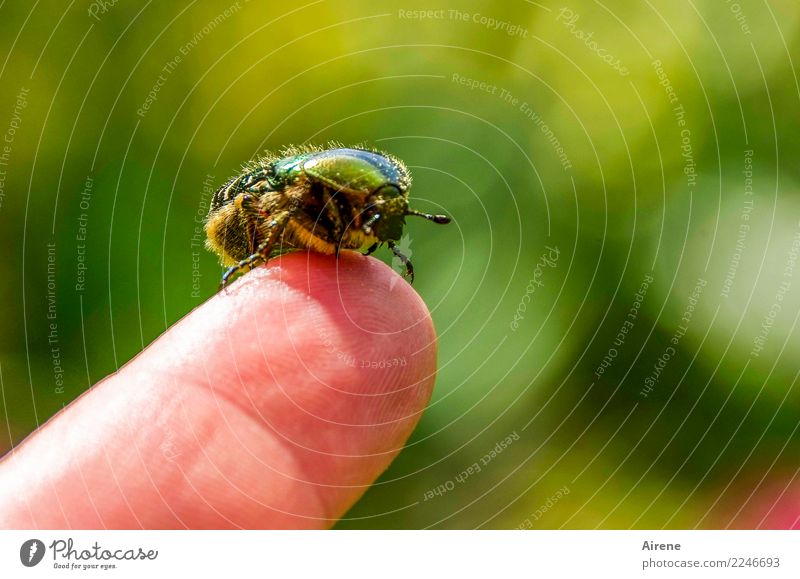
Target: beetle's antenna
<point>435,218</point>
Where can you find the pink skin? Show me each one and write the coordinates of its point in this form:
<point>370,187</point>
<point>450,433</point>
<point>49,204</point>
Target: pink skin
<point>254,411</point>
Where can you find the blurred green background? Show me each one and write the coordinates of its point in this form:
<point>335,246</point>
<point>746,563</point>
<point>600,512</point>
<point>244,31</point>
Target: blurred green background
<point>654,145</point>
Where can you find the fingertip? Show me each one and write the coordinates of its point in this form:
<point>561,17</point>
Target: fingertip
<point>334,358</point>
<point>353,311</point>
<point>274,404</point>
<point>343,340</point>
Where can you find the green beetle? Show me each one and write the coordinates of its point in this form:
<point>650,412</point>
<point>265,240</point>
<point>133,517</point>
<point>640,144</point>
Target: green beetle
<point>319,199</point>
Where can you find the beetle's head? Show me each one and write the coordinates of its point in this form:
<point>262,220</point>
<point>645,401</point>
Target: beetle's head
<point>387,211</point>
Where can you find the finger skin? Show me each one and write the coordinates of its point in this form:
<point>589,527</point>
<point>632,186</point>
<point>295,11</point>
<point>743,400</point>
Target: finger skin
<point>275,404</point>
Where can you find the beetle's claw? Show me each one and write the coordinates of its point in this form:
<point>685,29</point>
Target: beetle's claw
<point>409,272</point>
<point>225,281</point>
<point>405,261</point>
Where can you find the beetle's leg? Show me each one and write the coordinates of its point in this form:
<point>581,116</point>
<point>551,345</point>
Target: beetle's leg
<point>261,254</point>
<point>249,204</point>
<point>257,181</point>
<point>371,249</point>
<point>254,213</point>
<point>331,208</point>
<point>404,260</point>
